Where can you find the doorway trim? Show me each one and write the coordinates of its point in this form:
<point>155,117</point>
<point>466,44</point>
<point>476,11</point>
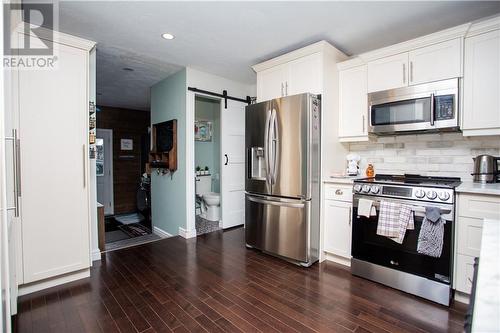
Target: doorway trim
<point>111,175</point>
<point>190,230</point>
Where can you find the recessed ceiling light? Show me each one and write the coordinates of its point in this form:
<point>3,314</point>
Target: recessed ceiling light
<point>167,36</point>
<point>128,69</point>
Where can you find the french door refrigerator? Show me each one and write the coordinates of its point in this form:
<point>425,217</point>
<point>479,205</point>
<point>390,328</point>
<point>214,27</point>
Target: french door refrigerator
<point>282,182</point>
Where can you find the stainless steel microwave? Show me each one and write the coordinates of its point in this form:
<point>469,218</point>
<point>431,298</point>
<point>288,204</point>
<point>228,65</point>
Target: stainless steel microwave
<point>424,107</point>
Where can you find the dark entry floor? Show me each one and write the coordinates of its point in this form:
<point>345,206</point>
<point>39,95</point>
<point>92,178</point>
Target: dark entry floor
<point>213,283</point>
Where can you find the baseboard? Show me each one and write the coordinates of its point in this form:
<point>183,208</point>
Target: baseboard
<point>52,282</point>
<point>160,232</point>
<point>337,259</point>
<point>462,297</point>
<point>187,233</point>
<point>96,255</point>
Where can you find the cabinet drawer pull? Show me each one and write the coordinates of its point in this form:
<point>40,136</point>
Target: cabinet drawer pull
<point>339,192</point>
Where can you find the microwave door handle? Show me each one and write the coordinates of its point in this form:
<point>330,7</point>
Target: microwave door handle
<point>433,111</point>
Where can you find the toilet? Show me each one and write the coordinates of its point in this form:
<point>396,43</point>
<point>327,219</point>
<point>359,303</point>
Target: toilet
<point>210,200</point>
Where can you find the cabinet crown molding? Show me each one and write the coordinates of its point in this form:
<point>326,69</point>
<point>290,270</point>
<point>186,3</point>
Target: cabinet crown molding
<point>434,38</point>
<point>56,36</point>
<point>484,25</point>
<point>321,46</point>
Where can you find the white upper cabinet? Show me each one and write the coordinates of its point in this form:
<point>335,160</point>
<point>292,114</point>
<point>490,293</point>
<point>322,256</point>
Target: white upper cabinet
<point>481,107</point>
<point>353,115</point>
<point>436,62</point>
<point>388,72</point>
<point>301,75</point>
<point>271,83</point>
<point>305,75</point>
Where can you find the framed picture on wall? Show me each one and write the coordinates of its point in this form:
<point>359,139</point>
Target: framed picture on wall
<point>202,130</point>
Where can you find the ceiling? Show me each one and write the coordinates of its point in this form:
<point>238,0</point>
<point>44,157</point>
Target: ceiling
<point>226,38</point>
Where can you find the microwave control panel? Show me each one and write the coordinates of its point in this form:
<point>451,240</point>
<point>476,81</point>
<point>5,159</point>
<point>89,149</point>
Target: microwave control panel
<point>444,107</point>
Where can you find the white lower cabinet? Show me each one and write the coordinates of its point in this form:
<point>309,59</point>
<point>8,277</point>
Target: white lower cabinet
<point>472,209</point>
<point>337,222</point>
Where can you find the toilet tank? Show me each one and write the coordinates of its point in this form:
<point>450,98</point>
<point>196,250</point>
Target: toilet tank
<point>203,184</point>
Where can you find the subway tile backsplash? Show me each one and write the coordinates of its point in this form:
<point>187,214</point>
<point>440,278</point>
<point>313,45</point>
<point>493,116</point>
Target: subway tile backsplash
<point>445,154</point>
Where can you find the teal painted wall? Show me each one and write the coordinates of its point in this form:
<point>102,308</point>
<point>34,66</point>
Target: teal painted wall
<point>168,195</point>
<point>207,153</point>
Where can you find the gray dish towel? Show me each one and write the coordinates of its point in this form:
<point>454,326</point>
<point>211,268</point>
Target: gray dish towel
<point>430,239</point>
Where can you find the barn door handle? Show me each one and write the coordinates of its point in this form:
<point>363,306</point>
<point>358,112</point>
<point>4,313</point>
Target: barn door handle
<point>227,159</point>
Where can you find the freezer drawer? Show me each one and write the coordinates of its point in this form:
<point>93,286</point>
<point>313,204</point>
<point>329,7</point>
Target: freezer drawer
<point>279,226</point>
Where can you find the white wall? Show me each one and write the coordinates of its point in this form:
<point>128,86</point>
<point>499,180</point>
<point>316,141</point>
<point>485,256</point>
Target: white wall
<point>209,82</point>
<point>446,154</point>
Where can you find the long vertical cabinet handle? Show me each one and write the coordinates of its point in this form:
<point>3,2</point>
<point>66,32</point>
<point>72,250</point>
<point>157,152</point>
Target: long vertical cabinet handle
<point>282,91</point>
<point>404,73</point>
<point>17,171</point>
<point>276,150</point>
<point>286,88</point>
<point>266,146</point>
<point>411,71</point>
<point>363,124</point>
<point>84,166</point>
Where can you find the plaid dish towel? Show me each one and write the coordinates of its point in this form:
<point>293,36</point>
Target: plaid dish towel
<point>388,219</point>
<point>394,219</point>
<point>406,222</point>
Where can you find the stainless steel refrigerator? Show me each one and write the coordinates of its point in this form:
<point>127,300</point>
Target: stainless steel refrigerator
<point>282,183</point>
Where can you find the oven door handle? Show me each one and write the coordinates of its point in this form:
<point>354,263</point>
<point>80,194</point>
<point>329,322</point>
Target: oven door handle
<point>419,209</point>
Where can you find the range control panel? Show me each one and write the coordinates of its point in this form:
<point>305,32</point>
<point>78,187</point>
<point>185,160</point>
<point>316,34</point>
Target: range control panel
<point>442,195</point>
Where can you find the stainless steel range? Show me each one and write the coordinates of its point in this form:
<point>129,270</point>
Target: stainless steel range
<point>400,266</point>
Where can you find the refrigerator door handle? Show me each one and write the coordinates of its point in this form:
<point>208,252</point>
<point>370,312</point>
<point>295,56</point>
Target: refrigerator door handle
<point>267,146</point>
<point>276,203</point>
<point>275,139</point>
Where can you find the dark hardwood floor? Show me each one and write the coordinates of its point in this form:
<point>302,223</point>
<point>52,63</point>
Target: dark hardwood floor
<point>213,283</point>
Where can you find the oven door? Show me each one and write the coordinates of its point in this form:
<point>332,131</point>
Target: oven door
<point>423,107</point>
<point>380,250</point>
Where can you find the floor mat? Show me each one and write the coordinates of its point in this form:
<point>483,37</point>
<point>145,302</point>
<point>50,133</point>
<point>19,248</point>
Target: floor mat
<point>204,226</point>
<point>135,230</point>
<point>114,236</point>
<point>130,218</point>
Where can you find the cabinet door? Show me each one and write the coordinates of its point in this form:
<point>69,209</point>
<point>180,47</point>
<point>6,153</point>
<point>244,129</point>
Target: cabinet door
<point>482,83</point>
<point>436,62</point>
<point>305,75</point>
<point>388,73</point>
<point>271,83</point>
<point>53,118</point>
<point>337,236</point>
<point>353,103</point>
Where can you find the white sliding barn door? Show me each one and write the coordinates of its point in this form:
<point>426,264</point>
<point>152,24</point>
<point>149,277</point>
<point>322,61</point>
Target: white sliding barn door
<point>53,129</point>
<point>233,164</point>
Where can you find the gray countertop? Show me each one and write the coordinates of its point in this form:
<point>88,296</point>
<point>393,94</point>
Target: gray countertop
<point>479,188</point>
<point>486,317</point>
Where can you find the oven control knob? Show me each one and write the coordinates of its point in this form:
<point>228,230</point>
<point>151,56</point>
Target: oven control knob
<point>431,195</point>
<point>443,196</point>
<point>366,188</point>
<point>357,188</point>
<point>375,189</point>
<point>419,194</point>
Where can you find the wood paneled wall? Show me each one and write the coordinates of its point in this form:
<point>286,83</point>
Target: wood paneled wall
<point>127,166</point>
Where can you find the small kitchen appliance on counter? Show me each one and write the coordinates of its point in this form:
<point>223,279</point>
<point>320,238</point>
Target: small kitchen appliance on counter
<point>402,266</point>
<point>486,169</point>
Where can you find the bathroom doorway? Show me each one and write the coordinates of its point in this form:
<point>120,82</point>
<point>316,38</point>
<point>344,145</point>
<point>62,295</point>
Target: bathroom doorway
<point>207,145</point>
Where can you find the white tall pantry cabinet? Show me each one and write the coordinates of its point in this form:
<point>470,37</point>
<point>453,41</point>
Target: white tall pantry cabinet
<point>50,113</point>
